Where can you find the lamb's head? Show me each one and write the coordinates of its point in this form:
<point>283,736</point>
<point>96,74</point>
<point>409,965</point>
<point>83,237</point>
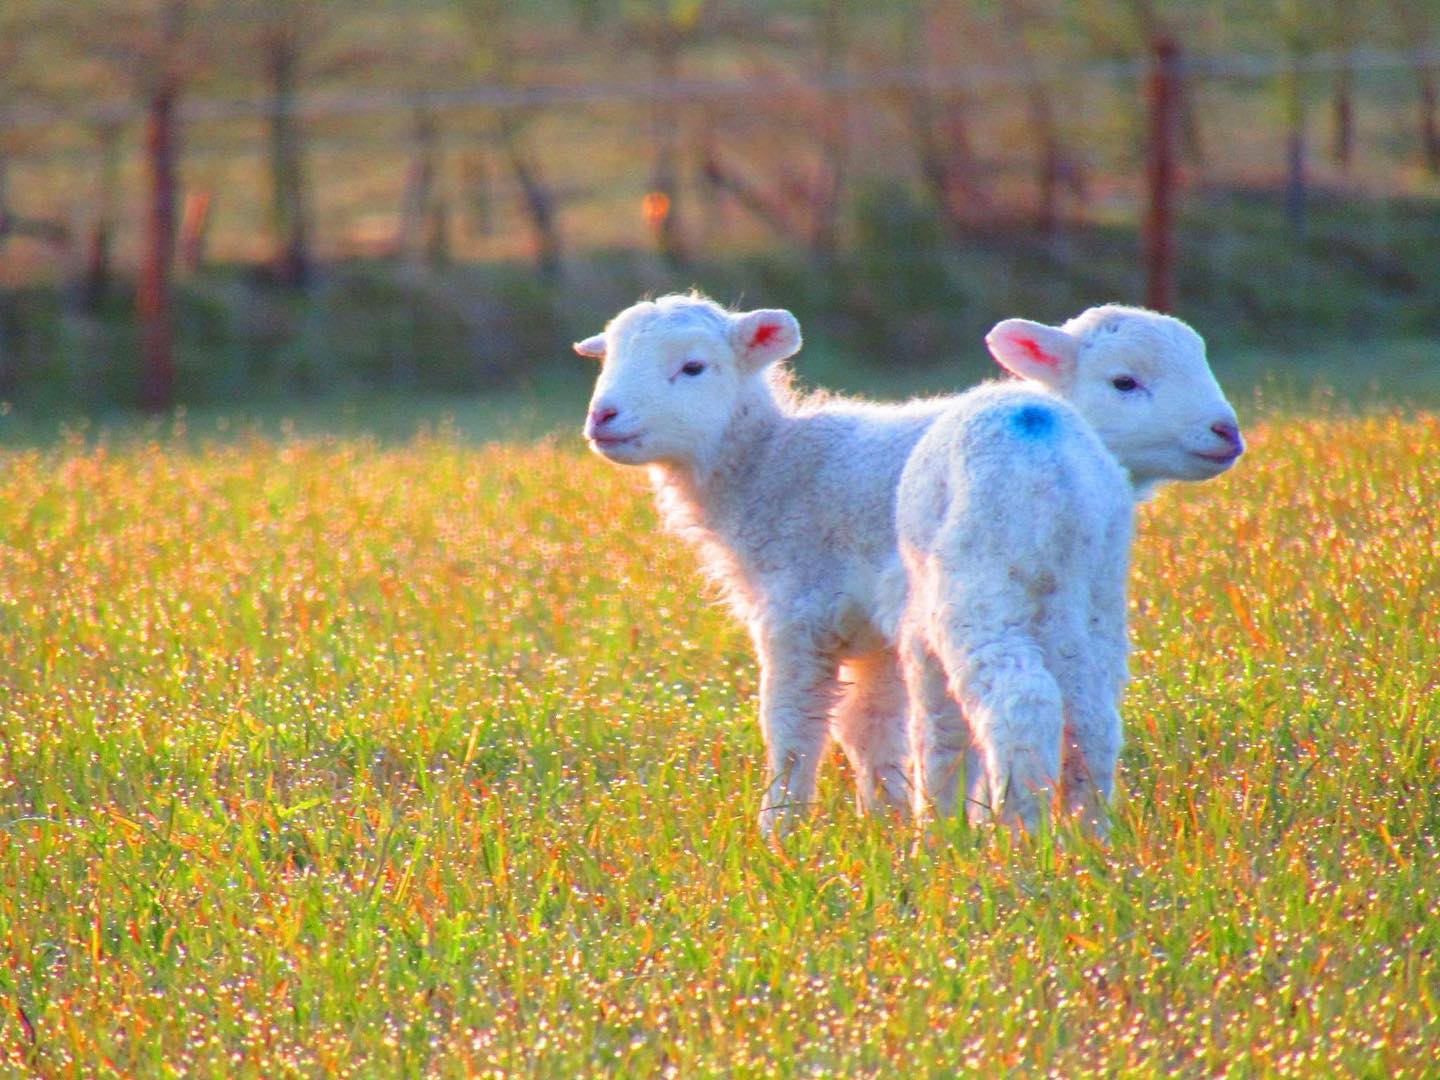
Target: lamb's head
<point>1142,381</point>
<point>674,371</point>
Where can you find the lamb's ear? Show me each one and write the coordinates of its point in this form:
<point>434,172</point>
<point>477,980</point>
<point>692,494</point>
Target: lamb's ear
<point>592,346</point>
<point>1033,350</point>
<point>764,336</point>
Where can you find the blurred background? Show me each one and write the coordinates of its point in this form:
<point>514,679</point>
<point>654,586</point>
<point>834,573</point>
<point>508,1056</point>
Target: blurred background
<point>371,211</point>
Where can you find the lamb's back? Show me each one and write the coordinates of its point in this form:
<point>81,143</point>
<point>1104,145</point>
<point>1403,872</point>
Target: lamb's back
<point>819,524</point>
<point>1014,477</point>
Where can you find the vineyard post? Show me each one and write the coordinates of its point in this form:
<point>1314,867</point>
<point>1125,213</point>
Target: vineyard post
<point>1159,225</point>
<point>154,299</point>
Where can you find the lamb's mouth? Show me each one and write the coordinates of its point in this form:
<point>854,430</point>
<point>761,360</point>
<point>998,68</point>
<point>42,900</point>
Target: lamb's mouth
<point>609,442</point>
<point>1225,457</point>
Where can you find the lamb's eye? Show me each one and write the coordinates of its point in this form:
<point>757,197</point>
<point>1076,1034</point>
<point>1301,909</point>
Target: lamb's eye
<point>692,367</point>
<point>1124,383</point>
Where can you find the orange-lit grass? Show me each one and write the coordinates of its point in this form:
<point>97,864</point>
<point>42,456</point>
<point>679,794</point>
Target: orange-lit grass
<point>319,757</point>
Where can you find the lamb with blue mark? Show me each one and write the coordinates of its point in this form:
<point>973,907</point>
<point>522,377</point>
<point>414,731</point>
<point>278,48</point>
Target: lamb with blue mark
<point>1012,633</point>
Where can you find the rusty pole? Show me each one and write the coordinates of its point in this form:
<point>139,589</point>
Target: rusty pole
<point>157,378</point>
<point>155,299</point>
<point>1159,226</point>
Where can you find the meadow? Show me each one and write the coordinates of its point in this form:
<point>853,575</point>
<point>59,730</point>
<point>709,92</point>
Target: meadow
<point>327,755</point>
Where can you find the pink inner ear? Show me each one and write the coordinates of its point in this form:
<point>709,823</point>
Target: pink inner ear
<point>1031,346</point>
<point>765,334</point>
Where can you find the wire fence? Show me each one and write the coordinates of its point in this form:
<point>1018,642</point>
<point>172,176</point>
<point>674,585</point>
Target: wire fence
<point>741,162</point>
<point>1257,66</point>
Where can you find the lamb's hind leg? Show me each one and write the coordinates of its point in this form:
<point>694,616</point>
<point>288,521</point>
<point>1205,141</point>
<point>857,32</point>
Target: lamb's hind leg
<point>870,725</point>
<point>1014,710</point>
<point>1091,753</point>
<point>1089,664</point>
<point>939,738</point>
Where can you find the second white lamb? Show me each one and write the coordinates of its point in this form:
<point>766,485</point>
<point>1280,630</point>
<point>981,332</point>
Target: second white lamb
<point>1014,517</point>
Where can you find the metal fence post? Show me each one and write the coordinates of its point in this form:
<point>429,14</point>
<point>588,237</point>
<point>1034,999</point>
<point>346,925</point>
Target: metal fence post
<point>154,300</point>
<point>1159,225</point>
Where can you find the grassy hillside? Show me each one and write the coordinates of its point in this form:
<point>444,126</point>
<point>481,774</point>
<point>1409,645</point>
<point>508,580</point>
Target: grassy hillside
<point>322,756</point>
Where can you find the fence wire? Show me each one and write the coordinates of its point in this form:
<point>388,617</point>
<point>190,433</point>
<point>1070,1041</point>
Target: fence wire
<point>595,151</point>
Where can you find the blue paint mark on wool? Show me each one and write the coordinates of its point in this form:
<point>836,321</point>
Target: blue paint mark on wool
<point>1032,421</point>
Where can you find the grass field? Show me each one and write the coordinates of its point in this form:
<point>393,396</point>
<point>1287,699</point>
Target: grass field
<point>322,755</point>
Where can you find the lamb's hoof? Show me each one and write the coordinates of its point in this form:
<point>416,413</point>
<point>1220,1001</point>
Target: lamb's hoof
<point>927,840</point>
<point>891,786</point>
<point>775,823</point>
<point>1091,811</point>
<point>1096,828</point>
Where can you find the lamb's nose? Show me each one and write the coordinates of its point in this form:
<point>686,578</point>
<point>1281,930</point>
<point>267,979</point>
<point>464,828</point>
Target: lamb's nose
<point>602,414</point>
<point>1230,433</point>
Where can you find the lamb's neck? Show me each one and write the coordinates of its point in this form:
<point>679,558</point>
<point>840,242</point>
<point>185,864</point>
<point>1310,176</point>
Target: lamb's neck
<point>710,490</point>
<point>1142,489</point>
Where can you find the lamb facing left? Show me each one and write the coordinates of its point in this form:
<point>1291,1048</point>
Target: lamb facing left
<point>790,499</point>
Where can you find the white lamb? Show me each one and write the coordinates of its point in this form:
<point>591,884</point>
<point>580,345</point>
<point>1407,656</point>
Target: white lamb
<point>792,502</point>
<point>1014,522</point>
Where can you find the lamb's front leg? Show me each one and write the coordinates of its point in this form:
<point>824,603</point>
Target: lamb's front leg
<point>798,685</point>
<point>870,724</point>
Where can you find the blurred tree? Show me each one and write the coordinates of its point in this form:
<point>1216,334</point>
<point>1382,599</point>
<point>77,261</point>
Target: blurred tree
<point>1299,31</point>
<point>10,50</point>
<point>99,244</point>
<point>1056,163</point>
<point>938,119</point>
<point>663,28</point>
<point>424,217</point>
<point>496,34</point>
<point>22,83</point>
<point>147,49</point>
<point>804,59</point>
<point>286,32</point>
<point>48,59</point>
<point>834,27</point>
<point>1418,20</point>
<point>1130,29</point>
<point>11,47</point>
<point>1344,34</point>
<point>160,73</point>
